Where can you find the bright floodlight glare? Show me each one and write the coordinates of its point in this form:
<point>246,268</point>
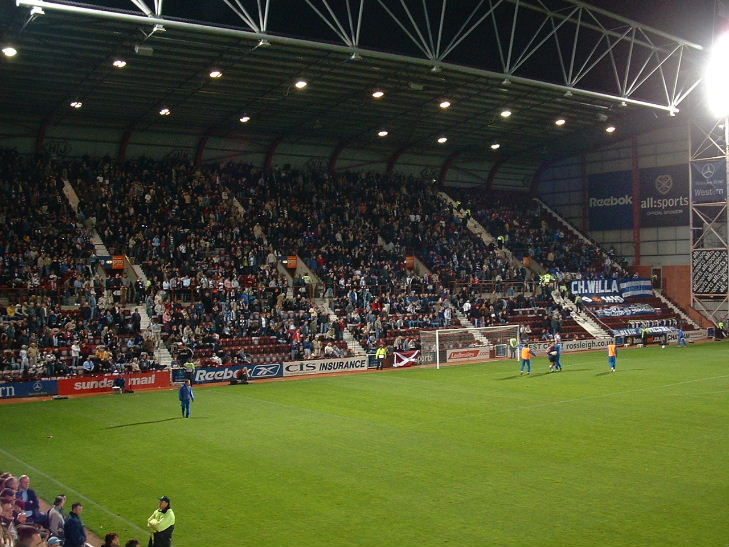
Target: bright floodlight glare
<point>442,140</point>
<point>717,78</point>
<point>560,122</point>
<point>382,133</point>
<point>10,51</point>
<point>164,111</point>
<point>301,84</point>
<point>445,103</point>
<point>378,94</point>
<point>505,113</point>
<point>76,104</point>
<point>610,129</point>
<point>245,118</point>
<point>215,73</point>
<point>495,146</point>
<point>119,63</point>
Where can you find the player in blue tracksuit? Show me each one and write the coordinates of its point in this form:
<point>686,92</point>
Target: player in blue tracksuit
<point>186,397</point>
<point>682,339</point>
<point>557,362</point>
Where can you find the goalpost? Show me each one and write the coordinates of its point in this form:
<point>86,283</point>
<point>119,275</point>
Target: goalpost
<point>461,345</point>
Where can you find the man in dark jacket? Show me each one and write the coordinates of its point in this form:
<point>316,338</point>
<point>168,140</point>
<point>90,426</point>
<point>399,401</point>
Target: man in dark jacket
<point>73,528</point>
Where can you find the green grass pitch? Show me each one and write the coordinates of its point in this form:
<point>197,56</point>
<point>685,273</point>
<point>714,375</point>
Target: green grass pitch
<point>470,455</point>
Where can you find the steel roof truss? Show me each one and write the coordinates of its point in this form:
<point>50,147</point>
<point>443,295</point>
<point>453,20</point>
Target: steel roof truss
<point>463,33</point>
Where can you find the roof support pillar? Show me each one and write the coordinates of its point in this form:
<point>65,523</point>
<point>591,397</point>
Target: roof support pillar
<point>40,140</point>
<point>334,158</point>
<point>124,143</point>
<point>636,200</point>
<point>268,162</point>
<point>393,160</point>
<point>494,170</point>
<point>452,157</point>
<point>200,150</point>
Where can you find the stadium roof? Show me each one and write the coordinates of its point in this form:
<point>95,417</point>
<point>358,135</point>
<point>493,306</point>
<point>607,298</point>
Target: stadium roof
<point>541,60</point>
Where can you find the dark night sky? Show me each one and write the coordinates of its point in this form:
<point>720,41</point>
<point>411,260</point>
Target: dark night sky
<point>689,19</point>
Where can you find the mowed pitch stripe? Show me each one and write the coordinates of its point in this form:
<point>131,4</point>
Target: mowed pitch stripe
<point>565,401</point>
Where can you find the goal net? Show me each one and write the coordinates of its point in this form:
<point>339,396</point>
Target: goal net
<point>461,345</point>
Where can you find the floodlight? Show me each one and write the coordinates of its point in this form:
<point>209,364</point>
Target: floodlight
<point>442,140</point>
<point>717,78</point>
<point>10,51</point>
<point>382,133</point>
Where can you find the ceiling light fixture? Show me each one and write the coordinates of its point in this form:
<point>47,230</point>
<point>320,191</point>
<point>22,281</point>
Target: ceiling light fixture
<point>164,111</point>
<point>610,129</point>
<point>76,104</point>
<point>505,113</point>
<point>445,103</point>
<point>10,51</point>
<point>378,94</point>
<point>495,146</point>
<point>215,73</point>
<point>560,122</point>
<point>301,83</point>
<point>442,140</point>
<point>382,133</point>
<point>245,118</point>
<point>119,63</point>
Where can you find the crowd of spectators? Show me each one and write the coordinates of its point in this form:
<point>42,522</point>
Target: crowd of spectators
<point>40,339</point>
<point>209,239</point>
<point>25,522</point>
<point>527,230</point>
<point>43,249</point>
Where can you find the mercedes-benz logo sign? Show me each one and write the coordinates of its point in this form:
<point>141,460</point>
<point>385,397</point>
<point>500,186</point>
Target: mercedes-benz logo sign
<point>708,170</point>
<point>664,183</point>
<point>37,386</point>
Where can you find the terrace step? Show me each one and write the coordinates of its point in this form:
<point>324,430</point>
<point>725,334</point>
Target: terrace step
<point>581,318</point>
<point>678,311</point>
<point>478,229</point>
<point>352,344</point>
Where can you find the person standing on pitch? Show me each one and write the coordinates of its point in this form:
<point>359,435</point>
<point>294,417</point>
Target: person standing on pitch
<point>526,358</point>
<point>161,523</point>
<point>513,345</point>
<point>552,357</point>
<point>186,397</point>
<point>681,338</point>
<point>612,356</point>
<point>558,347</point>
